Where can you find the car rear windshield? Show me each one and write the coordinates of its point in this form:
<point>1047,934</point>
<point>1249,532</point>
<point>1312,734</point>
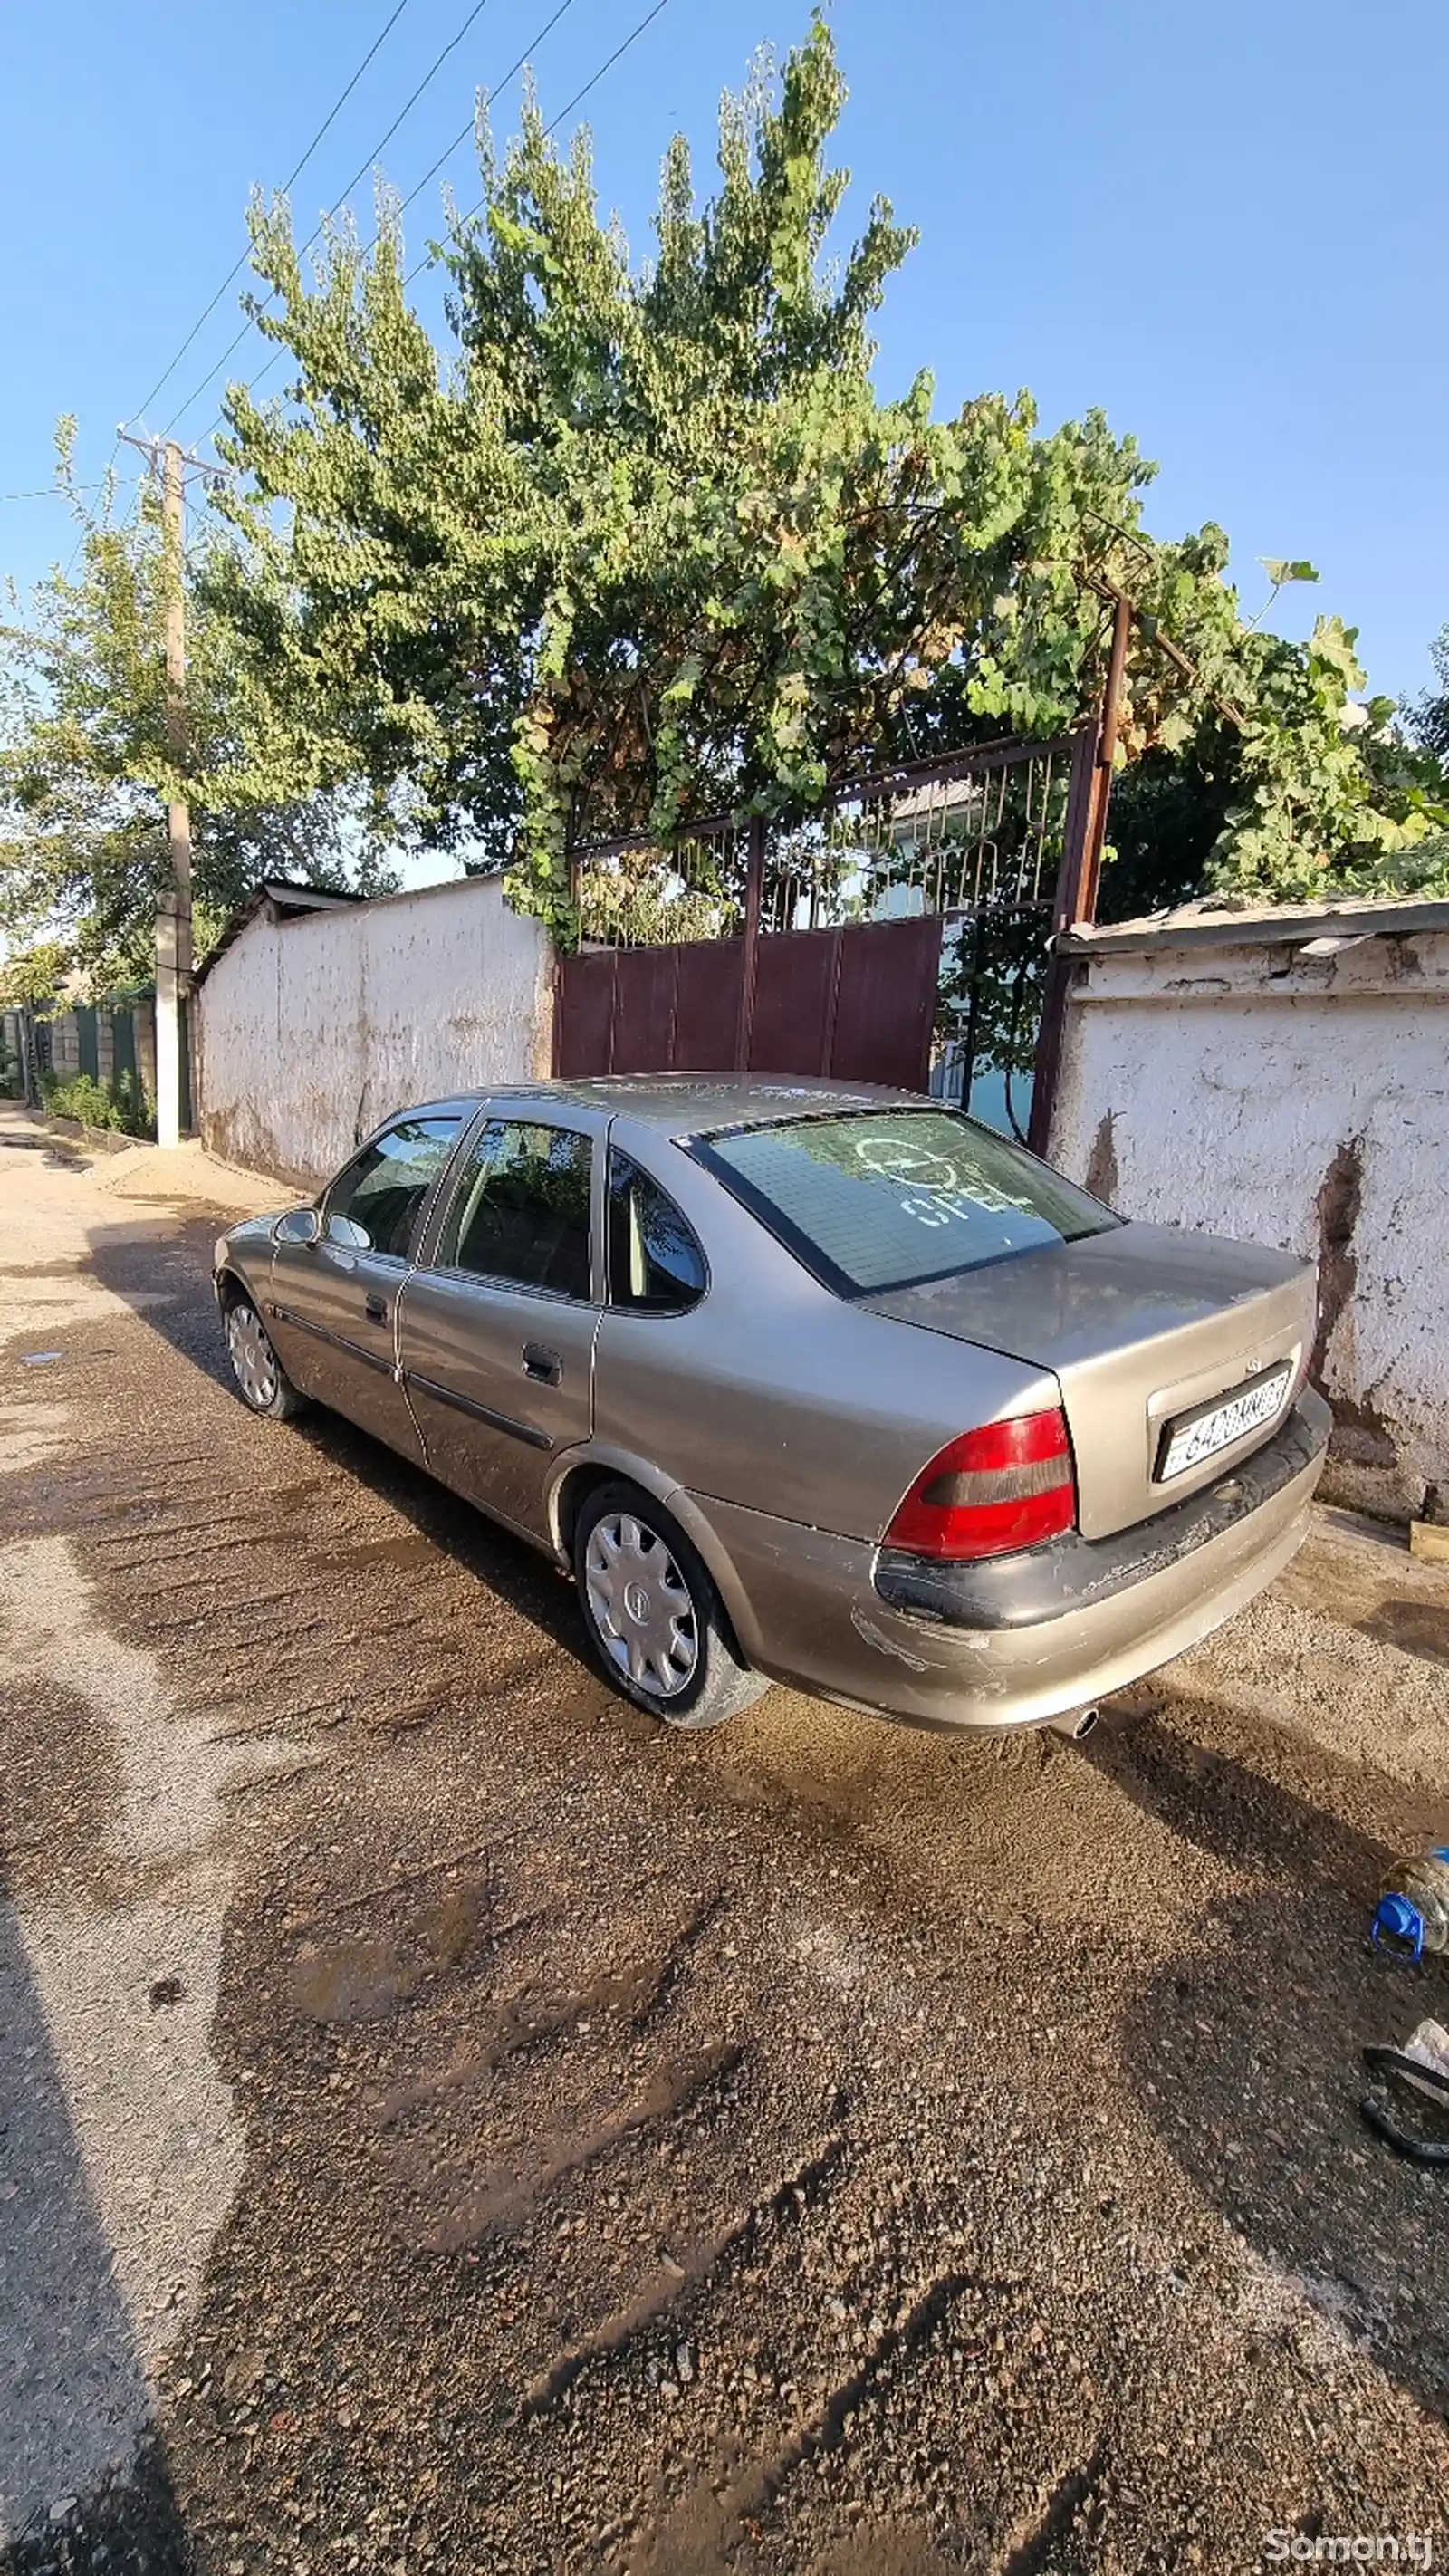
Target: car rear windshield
<point>880,1199</point>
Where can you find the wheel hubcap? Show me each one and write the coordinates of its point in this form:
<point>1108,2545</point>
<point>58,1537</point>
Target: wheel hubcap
<point>641,1605</point>
<point>252,1357</point>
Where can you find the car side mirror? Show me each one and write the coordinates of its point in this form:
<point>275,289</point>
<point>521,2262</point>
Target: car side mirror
<point>300,1225</point>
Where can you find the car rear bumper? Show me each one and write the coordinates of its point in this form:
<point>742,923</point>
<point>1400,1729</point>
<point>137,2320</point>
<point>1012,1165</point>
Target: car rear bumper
<point>1074,1573</point>
<point>1005,1643</point>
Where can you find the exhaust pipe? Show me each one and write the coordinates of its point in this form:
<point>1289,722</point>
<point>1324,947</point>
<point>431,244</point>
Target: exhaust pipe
<point>1075,1724</point>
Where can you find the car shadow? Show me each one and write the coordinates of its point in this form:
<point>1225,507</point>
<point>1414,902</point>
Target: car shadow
<point>520,1574</point>
<point>1244,2050</point>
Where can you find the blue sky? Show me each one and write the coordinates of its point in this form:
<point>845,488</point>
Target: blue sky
<point>1225,225</point>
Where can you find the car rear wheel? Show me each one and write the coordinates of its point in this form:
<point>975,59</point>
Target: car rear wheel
<point>654,1618</point>
<point>262,1382</point>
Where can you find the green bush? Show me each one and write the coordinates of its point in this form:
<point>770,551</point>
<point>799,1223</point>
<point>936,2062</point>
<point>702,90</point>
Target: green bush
<point>119,1106</point>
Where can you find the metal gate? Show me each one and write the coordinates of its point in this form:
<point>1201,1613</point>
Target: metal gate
<point>857,1002</point>
<point>900,934</point>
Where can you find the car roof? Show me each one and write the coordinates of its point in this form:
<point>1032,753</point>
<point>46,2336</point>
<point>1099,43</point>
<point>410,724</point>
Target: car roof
<point>689,1104</point>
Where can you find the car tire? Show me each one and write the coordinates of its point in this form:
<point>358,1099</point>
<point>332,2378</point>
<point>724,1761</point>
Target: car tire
<point>654,1619</point>
<point>261,1381</point>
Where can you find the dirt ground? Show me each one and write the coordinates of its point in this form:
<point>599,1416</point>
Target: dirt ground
<point>446,2124</point>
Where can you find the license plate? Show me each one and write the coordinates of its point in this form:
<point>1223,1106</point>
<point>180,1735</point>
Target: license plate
<point>1195,1436</point>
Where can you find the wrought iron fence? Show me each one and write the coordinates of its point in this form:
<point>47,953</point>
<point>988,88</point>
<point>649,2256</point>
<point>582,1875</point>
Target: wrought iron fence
<point>979,832</point>
<point>977,840</point>
<point>644,893</point>
<point>954,837</point>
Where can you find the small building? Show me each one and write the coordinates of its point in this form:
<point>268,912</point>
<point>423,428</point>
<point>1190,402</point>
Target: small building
<point>318,1014</point>
<point>1283,1073</point>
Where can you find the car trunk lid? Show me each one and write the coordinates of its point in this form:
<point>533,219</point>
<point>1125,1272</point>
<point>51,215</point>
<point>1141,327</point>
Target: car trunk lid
<point>1141,1326</point>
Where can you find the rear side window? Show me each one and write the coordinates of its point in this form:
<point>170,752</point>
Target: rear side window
<point>885,1198</point>
<point>382,1193</point>
<point>654,1255</point>
<point>521,1209</point>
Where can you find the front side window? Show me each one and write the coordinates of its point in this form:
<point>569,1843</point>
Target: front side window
<point>375,1204</point>
<point>521,1209</point>
<point>881,1199</point>
<point>654,1255</point>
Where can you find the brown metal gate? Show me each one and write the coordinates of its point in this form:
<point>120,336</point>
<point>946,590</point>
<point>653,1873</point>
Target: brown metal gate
<point>899,935</point>
<point>855,1002</point>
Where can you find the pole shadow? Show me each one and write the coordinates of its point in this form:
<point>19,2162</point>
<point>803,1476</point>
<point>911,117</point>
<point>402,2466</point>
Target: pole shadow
<point>83,2480</point>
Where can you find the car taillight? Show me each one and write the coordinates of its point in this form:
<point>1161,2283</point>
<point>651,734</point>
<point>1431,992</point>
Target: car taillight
<point>1008,1485</point>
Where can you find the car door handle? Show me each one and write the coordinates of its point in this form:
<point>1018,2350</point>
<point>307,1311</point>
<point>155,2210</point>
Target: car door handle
<point>541,1363</point>
<point>376,1309</point>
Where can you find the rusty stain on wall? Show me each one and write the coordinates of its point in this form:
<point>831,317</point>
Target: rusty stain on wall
<point>1102,1161</point>
<point>1360,1432</point>
<point>1338,1205</point>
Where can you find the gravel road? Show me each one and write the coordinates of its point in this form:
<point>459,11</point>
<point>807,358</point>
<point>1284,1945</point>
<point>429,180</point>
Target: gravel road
<point>445,2124</point>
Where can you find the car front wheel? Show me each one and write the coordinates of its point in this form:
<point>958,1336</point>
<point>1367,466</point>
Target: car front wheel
<point>262,1381</point>
<point>654,1618</point>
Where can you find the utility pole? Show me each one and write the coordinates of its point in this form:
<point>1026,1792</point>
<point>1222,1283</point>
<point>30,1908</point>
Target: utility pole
<point>173,903</point>
<point>173,906</point>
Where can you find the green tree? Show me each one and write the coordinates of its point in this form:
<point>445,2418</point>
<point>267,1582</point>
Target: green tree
<point>1167,815</point>
<point>1428,717</point>
<point>649,544</point>
<point>1233,811</point>
<point>646,543</point>
<point>30,978</point>
<point>642,542</point>
<point>86,768</point>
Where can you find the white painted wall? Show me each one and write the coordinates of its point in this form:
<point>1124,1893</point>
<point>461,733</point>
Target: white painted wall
<point>1301,1101</point>
<point>312,1029</point>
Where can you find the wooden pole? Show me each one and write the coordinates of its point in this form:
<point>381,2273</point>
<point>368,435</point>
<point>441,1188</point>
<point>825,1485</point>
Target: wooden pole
<point>173,909</point>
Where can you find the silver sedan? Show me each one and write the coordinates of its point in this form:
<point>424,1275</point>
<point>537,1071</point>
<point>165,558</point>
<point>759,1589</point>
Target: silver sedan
<point>825,1386</point>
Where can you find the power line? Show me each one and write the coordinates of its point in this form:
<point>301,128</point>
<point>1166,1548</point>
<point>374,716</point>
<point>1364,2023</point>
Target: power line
<point>496,91</point>
<point>329,119</point>
<point>429,75</point>
<point>592,83</point>
<point>607,66</point>
<point>631,38</point>
<point>63,491</point>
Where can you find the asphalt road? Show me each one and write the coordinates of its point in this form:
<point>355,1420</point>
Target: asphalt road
<point>445,2124</point>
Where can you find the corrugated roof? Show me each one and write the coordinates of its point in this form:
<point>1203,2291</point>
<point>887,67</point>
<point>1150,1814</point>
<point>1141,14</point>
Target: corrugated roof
<point>281,897</point>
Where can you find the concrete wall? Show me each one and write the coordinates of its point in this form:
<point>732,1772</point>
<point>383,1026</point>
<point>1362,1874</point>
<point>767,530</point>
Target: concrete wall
<point>1302,1101</point>
<point>313,1028</point>
<point>64,1045</point>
